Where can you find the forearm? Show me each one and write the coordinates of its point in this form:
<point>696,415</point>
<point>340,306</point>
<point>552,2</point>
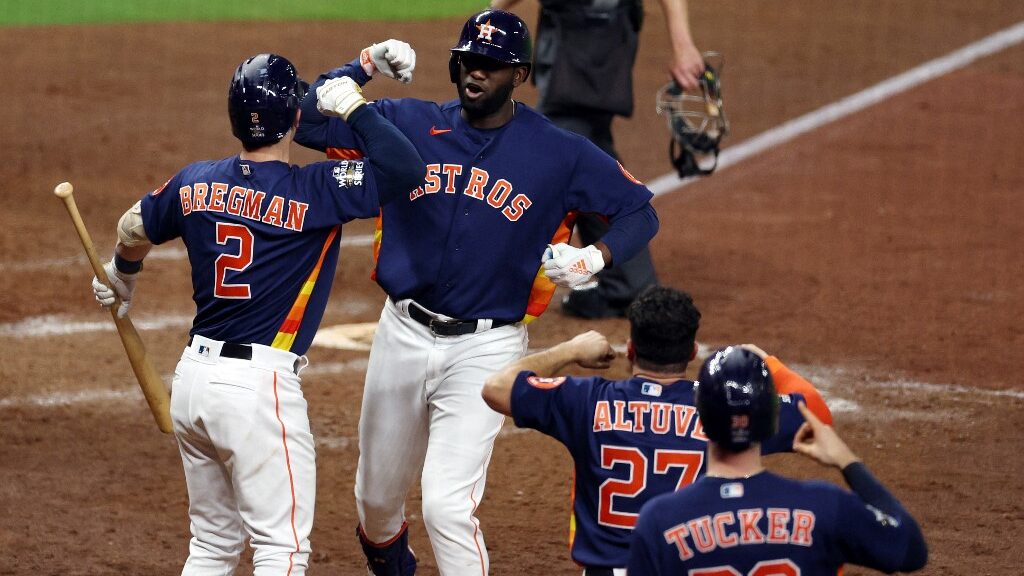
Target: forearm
<point>629,234</point>
<point>677,21</point>
<point>789,382</point>
<point>503,4</point>
<point>497,391</point>
<point>132,253</point>
<point>312,131</point>
<point>397,165</point>
<point>872,492</point>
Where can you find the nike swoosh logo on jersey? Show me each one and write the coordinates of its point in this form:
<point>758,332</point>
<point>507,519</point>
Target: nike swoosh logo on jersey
<point>434,131</point>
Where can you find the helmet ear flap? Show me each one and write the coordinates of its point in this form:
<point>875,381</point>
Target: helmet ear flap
<point>453,67</point>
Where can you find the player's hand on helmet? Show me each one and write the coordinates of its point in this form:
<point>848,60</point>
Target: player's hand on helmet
<point>819,441</point>
<point>756,350</point>
<point>392,58</point>
<point>339,97</point>
<point>592,350</point>
<point>116,282</point>
<point>569,267</point>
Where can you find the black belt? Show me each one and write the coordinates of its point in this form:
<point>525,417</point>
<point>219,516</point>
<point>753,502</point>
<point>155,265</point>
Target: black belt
<point>448,327</point>
<point>231,350</point>
<point>591,571</point>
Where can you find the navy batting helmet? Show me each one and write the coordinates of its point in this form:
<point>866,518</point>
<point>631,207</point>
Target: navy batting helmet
<point>263,99</point>
<point>736,399</point>
<point>496,34</point>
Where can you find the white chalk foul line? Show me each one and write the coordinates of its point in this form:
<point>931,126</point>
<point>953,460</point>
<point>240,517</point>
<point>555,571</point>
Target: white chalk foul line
<point>854,103</point>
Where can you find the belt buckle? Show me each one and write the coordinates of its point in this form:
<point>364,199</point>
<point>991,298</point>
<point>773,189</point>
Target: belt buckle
<point>435,322</point>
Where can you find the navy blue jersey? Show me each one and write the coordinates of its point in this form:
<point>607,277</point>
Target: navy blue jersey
<point>631,440</point>
<point>765,525</point>
<point>262,239</point>
<point>468,242</point>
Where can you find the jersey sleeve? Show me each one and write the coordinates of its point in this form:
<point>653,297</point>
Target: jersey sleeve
<point>161,212</point>
<point>601,185</point>
<point>887,540</point>
<point>552,406</point>
<point>346,188</point>
<point>788,381</point>
<point>790,420</point>
<point>327,133</point>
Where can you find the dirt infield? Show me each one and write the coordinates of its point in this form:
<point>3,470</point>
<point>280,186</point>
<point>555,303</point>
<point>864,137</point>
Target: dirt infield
<point>880,254</point>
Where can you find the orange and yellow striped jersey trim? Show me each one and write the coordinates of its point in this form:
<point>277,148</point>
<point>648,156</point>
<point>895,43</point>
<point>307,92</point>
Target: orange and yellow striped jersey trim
<point>344,153</point>
<point>543,289</point>
<point>286,333</point>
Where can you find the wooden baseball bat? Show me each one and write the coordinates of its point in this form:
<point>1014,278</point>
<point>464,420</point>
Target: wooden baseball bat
<point>149,380</point>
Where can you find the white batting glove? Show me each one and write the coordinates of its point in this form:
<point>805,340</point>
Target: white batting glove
<point>116,282</point>
<point>392,58</point>
<point>339,97</point>
<point>568,266</point>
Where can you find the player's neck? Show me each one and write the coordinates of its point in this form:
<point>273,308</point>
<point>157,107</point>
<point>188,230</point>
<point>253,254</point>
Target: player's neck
<point>665,378</point>
<point>279,152</point>
<point>725,464</point>
<point>496,119</point>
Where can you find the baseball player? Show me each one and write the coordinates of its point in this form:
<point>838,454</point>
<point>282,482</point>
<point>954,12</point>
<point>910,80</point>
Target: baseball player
<point>262,239</point>
<point>460,258</point>
<point>742,520</point>
<point>632,439</point>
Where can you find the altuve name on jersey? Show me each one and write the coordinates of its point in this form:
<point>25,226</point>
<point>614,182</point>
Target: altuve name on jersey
<point>245,202</point>
<point>658,417</point>
<point>441,177</point>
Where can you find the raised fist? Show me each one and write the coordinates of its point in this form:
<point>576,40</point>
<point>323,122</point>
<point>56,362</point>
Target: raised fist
<point>339,97</point>
<point>392,58</point>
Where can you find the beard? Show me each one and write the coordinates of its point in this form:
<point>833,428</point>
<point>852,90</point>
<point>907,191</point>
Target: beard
<point>487,105</point>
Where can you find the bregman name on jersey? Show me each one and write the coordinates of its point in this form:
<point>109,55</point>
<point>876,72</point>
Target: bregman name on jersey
<point>245,202</point>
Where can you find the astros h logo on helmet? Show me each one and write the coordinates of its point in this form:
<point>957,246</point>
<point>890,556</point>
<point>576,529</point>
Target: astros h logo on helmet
<point>486,29</point>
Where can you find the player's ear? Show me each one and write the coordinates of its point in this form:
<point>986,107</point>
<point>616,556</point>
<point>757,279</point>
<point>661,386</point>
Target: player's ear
<point>694,353</point>
<point>630,353</point>
<point>520,75</point>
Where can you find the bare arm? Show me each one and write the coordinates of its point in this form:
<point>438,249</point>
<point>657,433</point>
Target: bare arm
<point>687,62</point>
<point>589,350</point>
<point>503,4</point>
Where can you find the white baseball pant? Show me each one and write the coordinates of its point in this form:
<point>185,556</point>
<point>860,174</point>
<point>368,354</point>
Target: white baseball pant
<point>250,467</point>
<point>422,408</point>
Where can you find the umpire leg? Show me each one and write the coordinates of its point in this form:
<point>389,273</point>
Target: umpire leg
<point>619,285</point>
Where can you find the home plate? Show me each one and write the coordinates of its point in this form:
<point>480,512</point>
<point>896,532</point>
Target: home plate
<point>346,336</point>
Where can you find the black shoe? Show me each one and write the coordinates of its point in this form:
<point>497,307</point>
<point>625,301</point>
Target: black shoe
<point>591,305</point>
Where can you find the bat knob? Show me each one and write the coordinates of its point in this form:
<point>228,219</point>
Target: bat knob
<point>63,190</point>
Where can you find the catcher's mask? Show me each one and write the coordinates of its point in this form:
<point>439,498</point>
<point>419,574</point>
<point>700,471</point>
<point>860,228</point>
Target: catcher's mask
<point>697,121</point>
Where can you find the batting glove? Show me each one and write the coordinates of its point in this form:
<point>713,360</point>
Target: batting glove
<point>339,97</point>
<point>569,267</point>
<point>392,58</point>
<point>119,283</point>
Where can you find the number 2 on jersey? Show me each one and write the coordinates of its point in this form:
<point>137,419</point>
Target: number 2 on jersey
<point>226,232</point>
<point>689,461</point>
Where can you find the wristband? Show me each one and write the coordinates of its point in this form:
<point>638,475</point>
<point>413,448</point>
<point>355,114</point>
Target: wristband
<point>126,266</point>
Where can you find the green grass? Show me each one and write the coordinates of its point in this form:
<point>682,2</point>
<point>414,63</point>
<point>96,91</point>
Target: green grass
<point>42,12</point>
